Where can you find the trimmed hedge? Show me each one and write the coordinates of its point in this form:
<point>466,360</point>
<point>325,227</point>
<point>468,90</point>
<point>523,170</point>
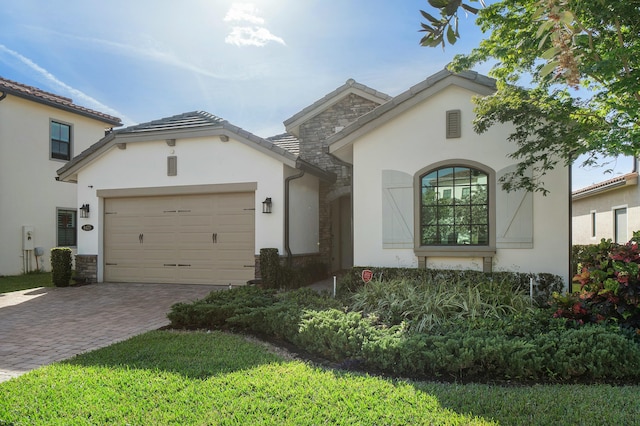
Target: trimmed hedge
<point>61,266</point>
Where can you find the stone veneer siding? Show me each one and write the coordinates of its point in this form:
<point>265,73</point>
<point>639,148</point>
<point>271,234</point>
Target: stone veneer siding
<point>86,268</point>
<point>313,148</point>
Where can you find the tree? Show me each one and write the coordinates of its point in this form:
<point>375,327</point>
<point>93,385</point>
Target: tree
<point>561,45</point>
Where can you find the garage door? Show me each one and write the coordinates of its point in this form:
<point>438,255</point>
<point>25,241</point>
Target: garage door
<point>196,239</point>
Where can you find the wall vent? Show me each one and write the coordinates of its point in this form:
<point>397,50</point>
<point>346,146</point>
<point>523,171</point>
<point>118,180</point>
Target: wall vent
<point>453,124</point>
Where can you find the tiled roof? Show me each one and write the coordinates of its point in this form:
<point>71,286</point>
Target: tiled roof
<point>53,100</point>
<point>188,120</point>
<point>606,185</point>
<point>286,141</point>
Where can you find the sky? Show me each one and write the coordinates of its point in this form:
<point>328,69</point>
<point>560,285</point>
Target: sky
<point>254,63</point>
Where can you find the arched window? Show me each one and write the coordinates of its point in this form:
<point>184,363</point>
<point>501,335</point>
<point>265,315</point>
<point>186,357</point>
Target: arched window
<point>454,207</point>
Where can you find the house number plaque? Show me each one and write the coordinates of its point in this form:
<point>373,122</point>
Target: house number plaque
<point>87,227</point>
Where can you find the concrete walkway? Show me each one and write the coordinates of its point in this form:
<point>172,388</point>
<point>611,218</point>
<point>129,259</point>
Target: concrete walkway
<point>45,325</point>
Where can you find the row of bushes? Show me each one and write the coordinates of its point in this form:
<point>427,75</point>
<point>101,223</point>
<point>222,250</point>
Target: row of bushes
<point>525,346</point>
<point>279,276</point>
<point>545,284</point>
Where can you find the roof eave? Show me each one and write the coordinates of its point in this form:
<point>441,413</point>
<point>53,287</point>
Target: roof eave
<point>112,121</point>
<point>629,180</point>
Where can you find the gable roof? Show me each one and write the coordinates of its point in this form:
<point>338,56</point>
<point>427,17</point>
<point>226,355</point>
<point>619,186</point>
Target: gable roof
<point>186,125</point>
<point>607,185</point>
<point>56,101</point>
<point>470,80</point>
<point>351,86</point>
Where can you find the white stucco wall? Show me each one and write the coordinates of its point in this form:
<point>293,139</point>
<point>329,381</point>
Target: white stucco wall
<point>604,205</point>
<point>303,213</point>
<point>29,193</point>
<point>200,161</point>
<point>416,139</point>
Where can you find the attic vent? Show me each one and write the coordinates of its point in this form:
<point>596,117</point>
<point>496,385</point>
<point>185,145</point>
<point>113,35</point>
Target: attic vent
<point>453,124</point>
<point>172,165</point>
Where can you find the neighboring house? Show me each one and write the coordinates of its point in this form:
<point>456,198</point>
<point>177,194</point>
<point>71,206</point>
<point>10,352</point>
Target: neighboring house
<point>39,132</point>
<point>609,210</point>
<point>359,179</point>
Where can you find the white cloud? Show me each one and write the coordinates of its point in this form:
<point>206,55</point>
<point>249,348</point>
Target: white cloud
<point>251,36</point>
<point>86,100</point>
<point>243,12</point>
<point>254,34</point>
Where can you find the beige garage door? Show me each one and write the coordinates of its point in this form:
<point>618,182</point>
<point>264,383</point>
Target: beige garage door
<point>196,239</point>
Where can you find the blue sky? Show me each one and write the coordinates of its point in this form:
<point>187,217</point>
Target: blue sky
<point>254,63</point>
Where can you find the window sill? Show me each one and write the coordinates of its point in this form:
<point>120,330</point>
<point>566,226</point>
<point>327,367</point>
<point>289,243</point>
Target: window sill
<point>455,251</point>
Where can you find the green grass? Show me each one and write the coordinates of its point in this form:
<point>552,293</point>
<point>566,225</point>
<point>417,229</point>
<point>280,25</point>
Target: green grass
<point>25,281</point>
<point>168,377</point>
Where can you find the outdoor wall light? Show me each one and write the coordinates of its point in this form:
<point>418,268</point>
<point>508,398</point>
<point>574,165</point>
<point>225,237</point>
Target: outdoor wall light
<point>266,205</point>
<point>84,211</point>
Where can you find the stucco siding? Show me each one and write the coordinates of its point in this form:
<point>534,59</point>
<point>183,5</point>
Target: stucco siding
<point>29,193</point>
<point>416,139</point>
<point>604,205</point>
<point>303,214</point>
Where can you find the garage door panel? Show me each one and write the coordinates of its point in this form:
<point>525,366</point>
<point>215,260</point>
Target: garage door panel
<point>211,237</point>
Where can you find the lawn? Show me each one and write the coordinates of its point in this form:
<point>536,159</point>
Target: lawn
<point>169,377</point>
<point>25,281</point>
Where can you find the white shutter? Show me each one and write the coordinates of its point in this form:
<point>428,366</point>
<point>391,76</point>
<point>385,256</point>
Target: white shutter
<point>397,209</point>
<point>514,215</point>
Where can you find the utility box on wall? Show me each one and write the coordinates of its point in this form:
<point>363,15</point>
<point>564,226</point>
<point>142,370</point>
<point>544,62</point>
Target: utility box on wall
<point>28,238</point>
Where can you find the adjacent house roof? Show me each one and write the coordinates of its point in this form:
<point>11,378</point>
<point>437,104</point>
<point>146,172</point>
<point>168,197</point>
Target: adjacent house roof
<point>187,125</point>
<point>607,185</point>
<point>350,87</point>
<point>471,80</point>
<point>53,100</point>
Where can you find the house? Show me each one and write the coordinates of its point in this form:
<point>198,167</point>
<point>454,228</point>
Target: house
<point>39,132</point>
<point>360,178</point>
<point>608,209</point>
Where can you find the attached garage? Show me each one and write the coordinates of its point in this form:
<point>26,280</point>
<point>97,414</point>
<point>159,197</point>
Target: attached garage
<point>197,239</point>
<point>180,200</point>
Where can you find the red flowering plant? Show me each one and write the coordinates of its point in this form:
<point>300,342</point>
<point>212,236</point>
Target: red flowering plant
<point>609,279</point>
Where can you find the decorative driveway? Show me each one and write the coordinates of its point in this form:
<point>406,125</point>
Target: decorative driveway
<point>45,325</point>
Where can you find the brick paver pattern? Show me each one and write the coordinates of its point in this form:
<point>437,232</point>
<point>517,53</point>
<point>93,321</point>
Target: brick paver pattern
<point>45,325</point>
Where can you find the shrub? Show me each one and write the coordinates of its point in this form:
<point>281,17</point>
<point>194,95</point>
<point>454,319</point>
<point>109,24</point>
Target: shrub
<point>433,301</point>
<point>279,276</point>
<point>61,266</point>
<point>333,334</point>
<point>546,284</point>
<point>609,286</point>
<point>214,310</point>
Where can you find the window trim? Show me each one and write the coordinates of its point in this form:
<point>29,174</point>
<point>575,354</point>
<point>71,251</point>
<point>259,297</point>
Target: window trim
<point>593,215</point>
<point>75,212</point>
<point>459,250</point>
<point>51,157</point>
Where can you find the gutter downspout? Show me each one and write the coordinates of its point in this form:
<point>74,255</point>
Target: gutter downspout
<point>571,273</point>
<point>287,246</point>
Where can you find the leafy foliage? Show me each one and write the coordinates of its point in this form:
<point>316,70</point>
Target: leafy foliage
<point>546,284</point>
<point>610,286</point>
<point>560,45</point>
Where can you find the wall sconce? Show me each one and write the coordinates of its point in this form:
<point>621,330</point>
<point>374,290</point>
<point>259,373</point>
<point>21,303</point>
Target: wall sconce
<point>266,205</point>
<point>84,211</point>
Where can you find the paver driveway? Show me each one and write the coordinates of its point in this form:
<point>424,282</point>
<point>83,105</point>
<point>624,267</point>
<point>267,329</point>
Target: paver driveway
<point>41,326</point>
